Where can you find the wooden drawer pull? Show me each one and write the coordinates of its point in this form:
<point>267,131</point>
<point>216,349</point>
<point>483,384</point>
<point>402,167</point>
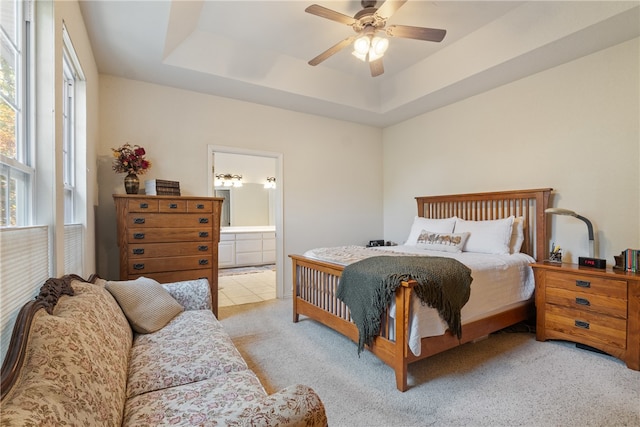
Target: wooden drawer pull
<point>203,220</point>
<point>138,251</point>
<point>144,205</point>
<point>583,284</point>
<point>138,235</point>
<point>582,301</point>
<point>139,266</point>
<point>581,324</point>
<point>203,248</point>
<point>203,262</point>
<point>173,206</point>
<point>203,234</point>
<point>138,220</point>
<point>199,206</point>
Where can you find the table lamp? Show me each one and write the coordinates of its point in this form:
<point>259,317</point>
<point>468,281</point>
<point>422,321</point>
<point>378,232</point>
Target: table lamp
<point>592,260</point>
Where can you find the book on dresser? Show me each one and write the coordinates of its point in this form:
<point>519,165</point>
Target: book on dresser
<point>169,238</point>
<point>161,187</point>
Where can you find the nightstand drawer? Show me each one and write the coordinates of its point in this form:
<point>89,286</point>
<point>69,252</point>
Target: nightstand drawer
<point>591,328</point>
<point>615,307</point>
<point>589,284</point>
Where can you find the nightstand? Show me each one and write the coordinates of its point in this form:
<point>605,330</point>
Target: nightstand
<point>597,308</point>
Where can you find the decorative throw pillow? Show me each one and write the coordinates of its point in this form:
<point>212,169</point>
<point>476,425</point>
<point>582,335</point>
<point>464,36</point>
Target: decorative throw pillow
<point>146,304</point>
<point>445,242</point>
<point>434,225</point>
<point>488,237</point>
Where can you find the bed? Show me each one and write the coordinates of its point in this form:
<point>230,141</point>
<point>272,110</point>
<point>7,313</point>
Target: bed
<point>316,278</point>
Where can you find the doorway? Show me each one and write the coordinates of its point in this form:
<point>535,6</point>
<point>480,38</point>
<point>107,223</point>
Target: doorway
<point>239,162</point>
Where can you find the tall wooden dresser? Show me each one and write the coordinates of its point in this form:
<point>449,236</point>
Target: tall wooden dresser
<point>169,238</point>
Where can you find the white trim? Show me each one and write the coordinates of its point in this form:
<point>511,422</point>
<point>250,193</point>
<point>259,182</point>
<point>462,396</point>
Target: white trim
<point>279,207</point>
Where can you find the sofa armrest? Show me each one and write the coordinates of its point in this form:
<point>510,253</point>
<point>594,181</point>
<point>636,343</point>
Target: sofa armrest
<point>293,406</point>
<point>191,294</point>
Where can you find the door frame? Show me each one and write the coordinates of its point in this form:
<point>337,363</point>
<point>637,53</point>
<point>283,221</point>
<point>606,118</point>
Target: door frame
<point>278,201</point>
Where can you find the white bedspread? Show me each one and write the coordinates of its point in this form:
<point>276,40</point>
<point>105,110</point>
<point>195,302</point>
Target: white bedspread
<point>499,282</point>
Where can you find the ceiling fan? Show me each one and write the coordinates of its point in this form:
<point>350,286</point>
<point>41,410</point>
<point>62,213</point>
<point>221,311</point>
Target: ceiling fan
<point>367,23</point>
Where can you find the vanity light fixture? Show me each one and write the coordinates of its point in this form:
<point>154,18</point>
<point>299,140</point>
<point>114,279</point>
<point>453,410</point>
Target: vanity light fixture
<point>271,182</point>
<point>228,180</point>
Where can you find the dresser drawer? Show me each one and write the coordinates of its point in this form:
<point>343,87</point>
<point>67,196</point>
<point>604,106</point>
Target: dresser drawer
<point>586,327</point>
<point>172,205</point>
<point>154,265</point>
<point>142,205</point>
<point>595,303</point>
<point>195,206</point>
<point>588,284</point>
<point>159,220</point>
<point>160,235</point>
<point>156,250</point>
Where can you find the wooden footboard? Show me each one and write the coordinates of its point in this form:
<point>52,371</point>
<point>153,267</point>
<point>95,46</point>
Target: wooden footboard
<point>315,283</point>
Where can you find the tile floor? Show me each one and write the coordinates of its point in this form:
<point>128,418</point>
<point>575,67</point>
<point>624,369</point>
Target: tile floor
<point>246,288</point>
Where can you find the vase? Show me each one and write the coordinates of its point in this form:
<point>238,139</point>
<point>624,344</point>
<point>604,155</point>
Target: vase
<point>131,183</point>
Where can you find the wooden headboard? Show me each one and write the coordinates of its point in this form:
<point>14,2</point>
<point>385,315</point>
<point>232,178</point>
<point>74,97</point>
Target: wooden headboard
<point>529,204</point>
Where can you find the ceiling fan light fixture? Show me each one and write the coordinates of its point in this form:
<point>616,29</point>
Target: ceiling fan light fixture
<point>379,46</point>
<point>362,44</point>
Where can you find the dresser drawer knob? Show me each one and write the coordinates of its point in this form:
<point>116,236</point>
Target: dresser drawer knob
<point>173,206</point>
<point>203,262</point>
<point>583,284</point>
<point>582,324</point>
<point>199,206</point>
<point>138,251</point>
<point>582,301</point>
<point>203,234</point>
<point>203,220</point>
<point>138,235</point>
<point>203,248</point>
<point>144,205</point>
<point>139,266</point>
<point>138,220</point>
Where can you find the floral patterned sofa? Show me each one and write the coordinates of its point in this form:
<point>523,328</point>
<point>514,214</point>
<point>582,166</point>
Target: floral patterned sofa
<point>80,363</point>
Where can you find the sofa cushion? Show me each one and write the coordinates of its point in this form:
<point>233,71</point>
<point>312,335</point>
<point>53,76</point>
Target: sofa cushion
<point>202,403</point>
<point>75,363</point>
<point>147,305</point>
<point>192,347</point>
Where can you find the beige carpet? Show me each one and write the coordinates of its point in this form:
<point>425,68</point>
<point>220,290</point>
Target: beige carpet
<point>509,379</point>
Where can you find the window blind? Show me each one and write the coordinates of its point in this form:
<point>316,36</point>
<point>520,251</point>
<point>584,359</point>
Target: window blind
<point>73,249</point>
<point>24,267</point>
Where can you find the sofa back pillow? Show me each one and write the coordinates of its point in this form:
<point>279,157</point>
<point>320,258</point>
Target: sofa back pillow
<point>75,369</point>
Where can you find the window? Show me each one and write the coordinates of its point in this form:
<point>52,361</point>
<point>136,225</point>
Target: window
<point>16,171</point>
<point>68,137</point>
<point>72,96</point>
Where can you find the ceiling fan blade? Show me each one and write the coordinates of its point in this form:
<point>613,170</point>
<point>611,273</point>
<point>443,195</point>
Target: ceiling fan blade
<point>333,49</point>
<point>389,7</point>
<point>418,33</point>
<point>376,67</point>
<point>323,12</point>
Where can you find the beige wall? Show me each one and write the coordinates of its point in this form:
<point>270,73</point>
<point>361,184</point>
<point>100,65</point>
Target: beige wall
<point>331,169</point>
<point>574,128</point>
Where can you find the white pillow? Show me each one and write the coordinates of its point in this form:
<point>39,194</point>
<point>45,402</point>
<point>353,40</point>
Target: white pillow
<point>517,235</point>
<point>487,237</point>
<point>445,242</point>
<point>435,225</point>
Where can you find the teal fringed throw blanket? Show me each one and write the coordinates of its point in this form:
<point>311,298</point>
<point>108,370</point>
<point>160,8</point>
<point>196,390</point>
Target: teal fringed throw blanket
<point>368,286</point>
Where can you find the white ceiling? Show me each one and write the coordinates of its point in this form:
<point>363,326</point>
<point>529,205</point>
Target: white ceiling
<point>257,51</point>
